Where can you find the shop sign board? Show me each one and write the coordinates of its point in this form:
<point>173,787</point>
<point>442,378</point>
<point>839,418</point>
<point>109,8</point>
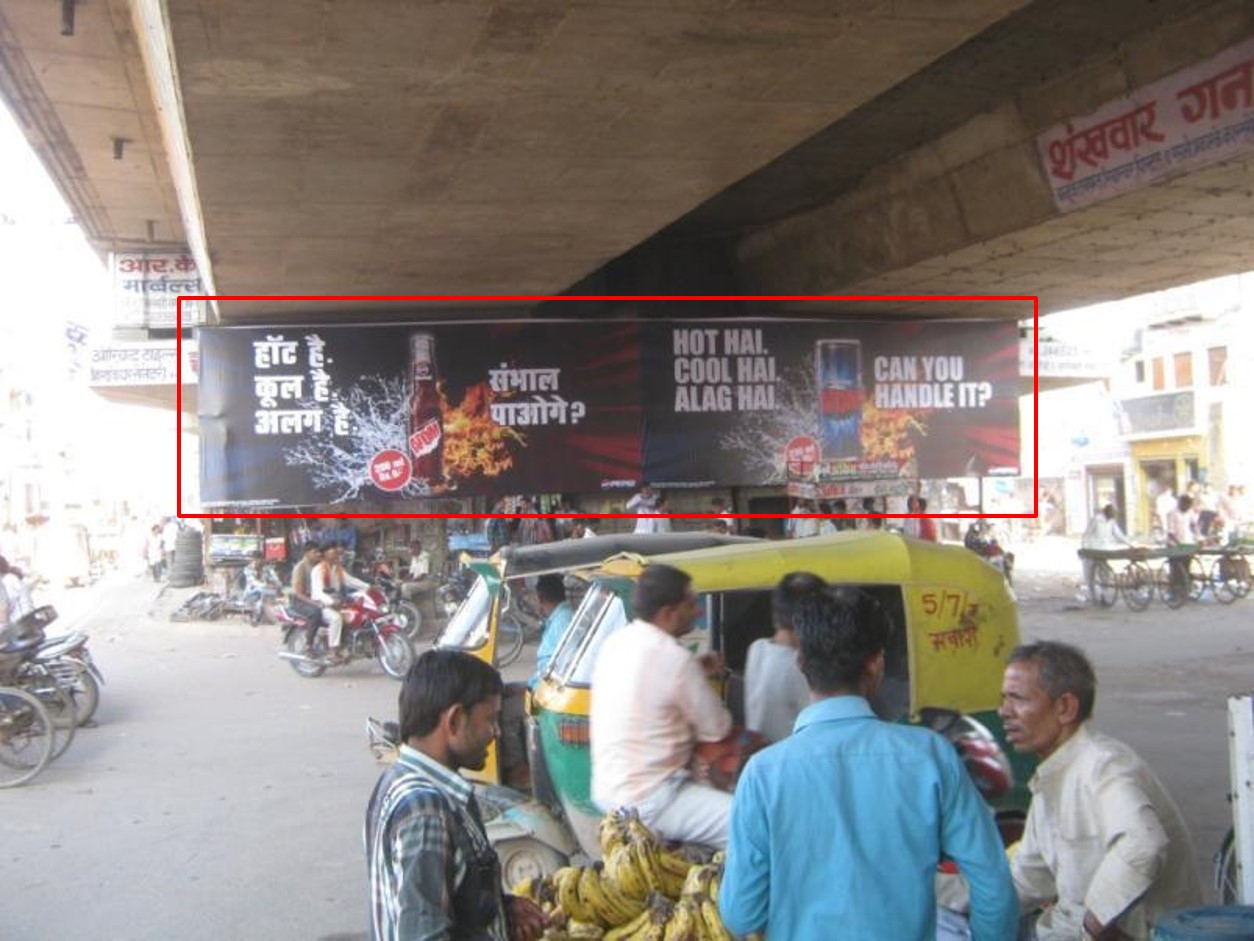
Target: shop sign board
<point>151,363</point>
<point>147,285</point>
<point>1190,119</point>
<point>1171,412</point>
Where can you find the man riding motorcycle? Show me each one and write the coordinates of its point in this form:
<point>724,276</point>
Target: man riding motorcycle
<point>330,581</point>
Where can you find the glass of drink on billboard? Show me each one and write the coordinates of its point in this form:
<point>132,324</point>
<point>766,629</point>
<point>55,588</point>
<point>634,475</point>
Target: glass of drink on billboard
<point>838,368</point>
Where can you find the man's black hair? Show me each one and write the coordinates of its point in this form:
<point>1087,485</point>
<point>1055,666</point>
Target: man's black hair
<point>439,680</point>
<point>551,588</point>
<point>791,589</point>
<point>838,637</point>
<point>658,587</point>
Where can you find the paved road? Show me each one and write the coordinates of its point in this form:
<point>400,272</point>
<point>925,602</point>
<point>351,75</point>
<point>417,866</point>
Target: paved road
<point>221,796</point>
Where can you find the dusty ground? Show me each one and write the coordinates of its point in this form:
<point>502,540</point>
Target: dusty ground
<point>221,796</point>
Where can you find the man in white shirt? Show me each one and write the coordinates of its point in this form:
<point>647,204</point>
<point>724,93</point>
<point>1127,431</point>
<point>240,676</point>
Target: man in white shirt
<point>718,506</point>
<point>1103,533</point>
<point>1181,530</point>
<point>417,578</point>
<point>662,524</point>
<point>330,581</point>
<point>651,705</point>
<point>775,688</point>
<point>802,527</point>
<point>641,504</point>
<point>1105,850</point>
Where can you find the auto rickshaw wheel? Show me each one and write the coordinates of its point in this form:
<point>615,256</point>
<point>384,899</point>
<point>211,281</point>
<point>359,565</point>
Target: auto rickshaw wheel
<point>527,858</point>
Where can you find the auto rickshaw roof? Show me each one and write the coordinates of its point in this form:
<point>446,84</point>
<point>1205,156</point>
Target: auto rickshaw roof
<point>861,557</point>
<point>568,554</point>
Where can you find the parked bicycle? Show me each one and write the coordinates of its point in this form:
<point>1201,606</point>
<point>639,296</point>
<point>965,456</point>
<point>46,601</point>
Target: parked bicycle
<point>1183,573</point>
<point>26,736</point>
<point>1134,580</point>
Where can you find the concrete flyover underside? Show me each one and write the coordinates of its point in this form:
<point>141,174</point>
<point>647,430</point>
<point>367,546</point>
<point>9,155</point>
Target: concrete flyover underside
<point>380,148</point>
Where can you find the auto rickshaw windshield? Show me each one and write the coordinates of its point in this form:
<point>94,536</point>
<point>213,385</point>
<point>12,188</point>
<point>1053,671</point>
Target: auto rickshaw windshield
<point>600,614</point>
<point>467,629</point>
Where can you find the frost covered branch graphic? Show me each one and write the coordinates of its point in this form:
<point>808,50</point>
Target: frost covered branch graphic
<point>762,437</point>
<point>377,411</point>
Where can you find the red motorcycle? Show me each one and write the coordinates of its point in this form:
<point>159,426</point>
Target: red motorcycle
<point>370,632</point>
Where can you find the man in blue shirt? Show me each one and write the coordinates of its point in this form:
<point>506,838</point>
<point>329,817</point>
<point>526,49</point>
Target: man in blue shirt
<point>837,830</point>
<point>551,596</point>
<point>512,743</point>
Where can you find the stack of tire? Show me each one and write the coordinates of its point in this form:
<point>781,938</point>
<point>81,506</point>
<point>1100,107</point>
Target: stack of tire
<point>189,564</point>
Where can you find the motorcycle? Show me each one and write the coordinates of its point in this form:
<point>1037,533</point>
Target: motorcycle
<point>981,540</point>
<point>66,659</point>
<point>453,592</point>
<point>370,632</point>
<point>407,614</point>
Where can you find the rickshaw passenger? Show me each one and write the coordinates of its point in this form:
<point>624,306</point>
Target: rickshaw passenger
<point>775,689</point>
<point>651,706</point>
<point>551,596</point>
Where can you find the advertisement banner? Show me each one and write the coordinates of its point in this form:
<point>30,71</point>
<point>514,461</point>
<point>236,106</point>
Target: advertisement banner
<point>824,402</point>
<point>302,416</point>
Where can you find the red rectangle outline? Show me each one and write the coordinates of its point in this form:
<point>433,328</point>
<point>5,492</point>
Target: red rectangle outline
<point>450,298</point>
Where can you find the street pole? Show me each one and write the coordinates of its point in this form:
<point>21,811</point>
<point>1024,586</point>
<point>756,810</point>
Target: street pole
<point>1241,761</point>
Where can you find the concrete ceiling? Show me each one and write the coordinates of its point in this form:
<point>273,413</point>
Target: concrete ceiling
<point>381,148</point>
<point>378,147</point>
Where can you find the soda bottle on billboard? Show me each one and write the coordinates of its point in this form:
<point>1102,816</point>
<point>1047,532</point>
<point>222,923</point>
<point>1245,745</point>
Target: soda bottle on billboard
<point>426,420</point>
<point>838,365</point>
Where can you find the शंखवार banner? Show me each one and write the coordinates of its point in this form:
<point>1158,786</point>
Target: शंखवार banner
<point>302,416</point>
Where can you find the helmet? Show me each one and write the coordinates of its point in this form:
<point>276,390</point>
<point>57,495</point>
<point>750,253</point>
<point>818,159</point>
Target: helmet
<point>980,753</point>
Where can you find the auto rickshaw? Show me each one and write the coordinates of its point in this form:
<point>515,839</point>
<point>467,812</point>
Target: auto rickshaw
<point>955,623</point>
<point>531,840</point>
<point>490,621</point>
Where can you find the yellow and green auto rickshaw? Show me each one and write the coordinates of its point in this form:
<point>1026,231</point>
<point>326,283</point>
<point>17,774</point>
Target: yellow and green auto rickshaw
<point>493,621</point>
<point>956,623</point>
<point>491,624</point>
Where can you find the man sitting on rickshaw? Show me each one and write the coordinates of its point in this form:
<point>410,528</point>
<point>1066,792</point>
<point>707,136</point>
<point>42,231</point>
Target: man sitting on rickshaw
<point>512,742</point>
<point>652,707</point>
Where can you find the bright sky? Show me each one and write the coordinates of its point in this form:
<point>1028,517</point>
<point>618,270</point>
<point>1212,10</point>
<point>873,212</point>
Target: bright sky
<point>49,279</point>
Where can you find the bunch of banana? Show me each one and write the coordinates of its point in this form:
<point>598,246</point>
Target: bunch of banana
<point>612,905</point>
<point>649,925</point>
<point>700,879</point>
<point>622,867</point>
<point>541,891</point>
<point>613,830</point>
<point>571,931</point>
<point>711,921</point>
<point>674,871</point>
<point>685,923</point>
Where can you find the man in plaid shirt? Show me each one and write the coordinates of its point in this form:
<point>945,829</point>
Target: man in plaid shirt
<point>433,873</point>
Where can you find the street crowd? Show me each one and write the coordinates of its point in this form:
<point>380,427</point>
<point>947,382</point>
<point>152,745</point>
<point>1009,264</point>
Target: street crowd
<point>835,829</point>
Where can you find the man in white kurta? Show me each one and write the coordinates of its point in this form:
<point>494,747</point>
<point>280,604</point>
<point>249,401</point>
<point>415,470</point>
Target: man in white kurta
<point>651,704</point>
<point>1105,850</point>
